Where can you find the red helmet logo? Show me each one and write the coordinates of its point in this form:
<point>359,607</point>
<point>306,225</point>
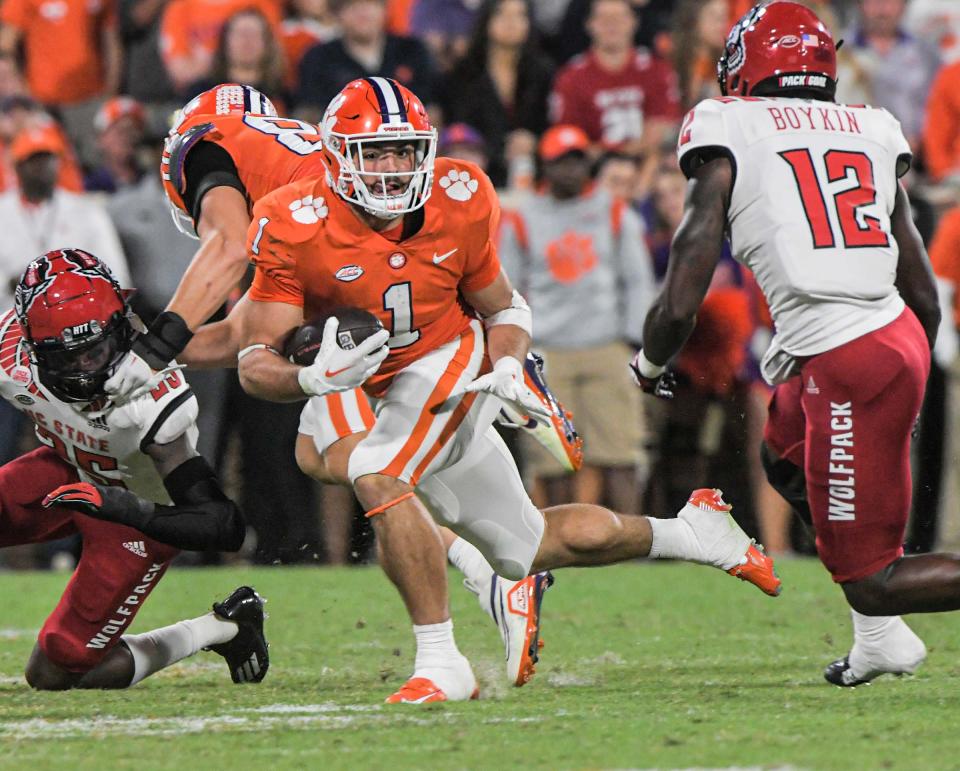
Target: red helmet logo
<point>75,322</point>
<point>778,46</point>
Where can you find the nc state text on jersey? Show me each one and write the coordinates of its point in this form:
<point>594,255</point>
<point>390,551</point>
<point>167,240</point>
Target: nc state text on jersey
<point>73,434</point>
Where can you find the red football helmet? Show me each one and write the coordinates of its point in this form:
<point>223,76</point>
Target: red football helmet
<point>372,111</point>
<point>75,321</point>
<point>780,46</point>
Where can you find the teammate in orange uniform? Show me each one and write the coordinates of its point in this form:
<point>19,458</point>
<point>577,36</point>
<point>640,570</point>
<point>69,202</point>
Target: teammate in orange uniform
<point>228,148</point>
<point>409,237</point>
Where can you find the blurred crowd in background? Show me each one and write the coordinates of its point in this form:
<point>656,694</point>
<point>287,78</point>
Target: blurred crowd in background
<point>573,108</point>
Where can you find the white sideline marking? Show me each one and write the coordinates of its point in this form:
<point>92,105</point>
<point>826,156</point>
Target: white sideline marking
<point>272,716</point>
<point>9,633</point>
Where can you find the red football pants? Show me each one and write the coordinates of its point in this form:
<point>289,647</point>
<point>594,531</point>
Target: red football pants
<point>118,568</point>
<point>847,421</point>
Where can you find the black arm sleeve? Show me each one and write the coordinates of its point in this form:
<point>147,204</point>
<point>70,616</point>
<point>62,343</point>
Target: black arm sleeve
<point>201,517</point>
<point>207,166</point>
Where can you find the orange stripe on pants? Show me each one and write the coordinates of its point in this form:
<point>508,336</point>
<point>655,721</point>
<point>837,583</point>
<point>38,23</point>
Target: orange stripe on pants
<point>442,390</point>
<point>337,416</point>
<point>448,430</point>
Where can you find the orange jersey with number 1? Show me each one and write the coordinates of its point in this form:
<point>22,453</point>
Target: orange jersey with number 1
<point>268,152</point>
<point>311,250</point>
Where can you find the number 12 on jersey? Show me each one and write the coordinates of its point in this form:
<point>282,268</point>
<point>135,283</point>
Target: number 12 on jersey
<point>847,203</point>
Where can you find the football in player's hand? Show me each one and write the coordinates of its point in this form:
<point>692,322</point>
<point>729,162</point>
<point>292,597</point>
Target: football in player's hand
<point>356,325</point>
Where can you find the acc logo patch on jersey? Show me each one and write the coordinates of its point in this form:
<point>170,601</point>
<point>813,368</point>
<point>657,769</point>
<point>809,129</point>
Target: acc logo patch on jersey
<point>308,211</point>
<point>459,185</point>
<point>24,399</point>
<point>348,273</point>
<point>20,375</point>
<point>397,260</point>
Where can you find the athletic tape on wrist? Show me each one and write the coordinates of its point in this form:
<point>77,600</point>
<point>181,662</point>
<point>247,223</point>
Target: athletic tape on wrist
<point>647,368</point>
<point>518,315</point>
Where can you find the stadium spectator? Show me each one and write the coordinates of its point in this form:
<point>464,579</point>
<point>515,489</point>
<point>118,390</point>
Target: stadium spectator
<point>444,25</point>
<point>312,22</point>
<point>899,66</point>
<point>144,75</point>
<point>364,49</point>
<point>699,34</point>
<point>621,96</point>
<point>941,140</point>
<point>619,174</point>
<point>578,256</point>
<point>500,87</point>
<point>120,124</point>
<point>17,114</point>
<point>458,140</point>
<point>247,52</point>
<point>653,21</point>
<point>71,56</point>
<point>937,20</point>
<point>41,217</point>
<point>190,32</point>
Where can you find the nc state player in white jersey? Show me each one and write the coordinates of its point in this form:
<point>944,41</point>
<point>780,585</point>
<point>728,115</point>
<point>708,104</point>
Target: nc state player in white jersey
<point>103,472</point>
<point>808,191</point>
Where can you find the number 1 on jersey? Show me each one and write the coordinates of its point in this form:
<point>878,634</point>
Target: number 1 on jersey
<point>398,299</point>
<point>847,202</point>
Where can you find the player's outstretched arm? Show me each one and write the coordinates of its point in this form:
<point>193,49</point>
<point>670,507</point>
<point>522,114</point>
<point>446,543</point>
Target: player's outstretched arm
<point>215,270</point>
<point>694,253</point>
<point>221,260</point>
<point>915,280</point>
<point>216,345</point>
<point>201,517</point>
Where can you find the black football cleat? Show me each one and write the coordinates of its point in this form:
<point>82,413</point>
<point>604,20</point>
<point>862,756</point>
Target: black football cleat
<point>839,673</point>
<point>247,653</point>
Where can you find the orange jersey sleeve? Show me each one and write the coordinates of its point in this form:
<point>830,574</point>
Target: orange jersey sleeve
<point>273,242</point>
<point>483,264</point>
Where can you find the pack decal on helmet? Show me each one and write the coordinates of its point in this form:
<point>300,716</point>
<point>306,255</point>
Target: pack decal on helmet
<point>14,360</point>
<point>778,47</point>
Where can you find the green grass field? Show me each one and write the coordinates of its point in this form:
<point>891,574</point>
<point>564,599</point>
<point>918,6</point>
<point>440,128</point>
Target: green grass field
<point>646,666</point>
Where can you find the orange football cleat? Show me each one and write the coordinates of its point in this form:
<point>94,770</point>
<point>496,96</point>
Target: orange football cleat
<point>421,690</point>
<point>758,570</point>
<point>724,544</point>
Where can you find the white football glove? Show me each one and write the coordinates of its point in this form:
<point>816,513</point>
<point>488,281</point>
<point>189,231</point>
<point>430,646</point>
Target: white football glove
<point>336,369</point>
<point>506,383</point>
<point>131,375</point>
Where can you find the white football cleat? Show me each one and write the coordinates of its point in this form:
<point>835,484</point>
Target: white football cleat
<point>514,607</point>
<point>723,543</point>
<point>900,652</point>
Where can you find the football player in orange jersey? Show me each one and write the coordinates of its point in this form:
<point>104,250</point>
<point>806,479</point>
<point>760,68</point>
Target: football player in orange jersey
<point>410,238</point>
<point>227,149</point>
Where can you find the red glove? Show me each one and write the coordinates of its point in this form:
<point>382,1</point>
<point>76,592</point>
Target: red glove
<point>81,496</point>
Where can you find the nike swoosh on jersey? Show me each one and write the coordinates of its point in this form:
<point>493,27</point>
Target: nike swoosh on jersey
<point>438,258</point>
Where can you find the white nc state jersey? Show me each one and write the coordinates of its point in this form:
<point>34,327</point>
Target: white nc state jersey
<point>104,447</point>
<point>814,187</point>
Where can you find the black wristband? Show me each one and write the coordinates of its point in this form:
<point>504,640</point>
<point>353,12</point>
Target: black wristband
<point>124,506</point>
<point>167,337</point>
